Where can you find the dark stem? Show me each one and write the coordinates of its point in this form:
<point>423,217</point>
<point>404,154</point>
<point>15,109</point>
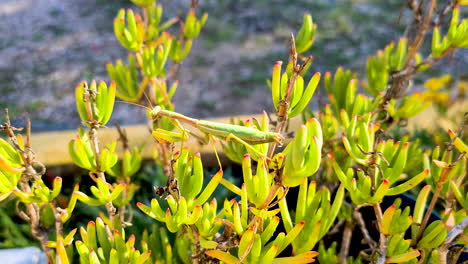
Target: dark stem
<point>282,114</point>
<point>32,210</point>
<point>362,226</point>
<point>428,214</point>
<point>346,241</point>
<point>422,29</point>
<point>122,136</point>
<point>383,239</point>
<point>451,236</point>
<point>58,220</point>
<point>93,137</point>
<point>270,196</point>
<point>439,186</point>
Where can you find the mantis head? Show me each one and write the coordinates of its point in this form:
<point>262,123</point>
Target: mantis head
<point>153,113</point>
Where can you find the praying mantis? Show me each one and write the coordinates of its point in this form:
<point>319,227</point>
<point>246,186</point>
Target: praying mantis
<point>245,135</point>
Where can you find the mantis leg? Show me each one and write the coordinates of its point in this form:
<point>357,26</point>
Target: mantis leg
<point>165,136</point>
<point>247,145</point>
<point>211,137</point>
<point>204,140</point>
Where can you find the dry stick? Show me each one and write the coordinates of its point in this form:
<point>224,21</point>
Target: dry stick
<point>174,71</point>
<point>124,140</point>
<point>346,241</point>
<point>400,78</point>
<point>383,238</point>
<point>111,211</point>
<point>270,196</point>
<point>409,72</point>
<point>450,5</point>
<point>360,221</point>
<point>283,111</point>
<point>282,114</point>
<point>33,212</point>
<point>454,254</point>
<point>336,228</point>
<point>58,219</point>
<point>122,136</point>
<point>283,106</point>
<point>451,236</point>
<point>431,207</point>
<point>93,137</point>
<point>445,173</point>
<point>165,149</point>
<point>419,38</point>
<point>196,237</point>
<point>278,200</point>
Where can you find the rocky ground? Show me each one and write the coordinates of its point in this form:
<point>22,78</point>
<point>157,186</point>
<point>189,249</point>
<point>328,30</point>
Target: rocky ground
<point>47,46</point>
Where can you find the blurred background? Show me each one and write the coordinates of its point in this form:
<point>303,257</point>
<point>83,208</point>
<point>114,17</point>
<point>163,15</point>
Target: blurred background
<point>48,46</point>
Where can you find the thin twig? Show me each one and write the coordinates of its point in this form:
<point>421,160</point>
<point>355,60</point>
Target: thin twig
<point>346,241</point>
<point>445,173</point>
<point>360,221</point>
<point>336,228</point>
<point>270,196</point>
<point>444,11</point>
<point>122,136</point>
<point>401,78</point>
<point>93,137</point>
<point>32,210</point>
<point>451,236</point>
<point>282,114</point>
<point>429,210</point>
<point>58,219</point>
<point>383,239</point>
<point>422,29</point>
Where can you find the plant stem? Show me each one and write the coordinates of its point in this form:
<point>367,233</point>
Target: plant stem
<point>346,241</point>
<point>401,78</point>
<point>122,179</point>
<point>33,211</point>
<point>451,236</point>
<point>360,221</point>
<point>422,29</point>
<point>95,147</point>
<point>282,114</point>
<point>93,137</point>
<point>383,238</point>
<point>270,196</point>
<point>58,220</point>
<point>425,220</point>
<point>443,177</point>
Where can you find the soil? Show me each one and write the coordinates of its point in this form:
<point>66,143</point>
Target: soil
<point>47,46</point>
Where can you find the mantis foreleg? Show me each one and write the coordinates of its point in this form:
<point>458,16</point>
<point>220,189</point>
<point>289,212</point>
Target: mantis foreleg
<point>247,145</point>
